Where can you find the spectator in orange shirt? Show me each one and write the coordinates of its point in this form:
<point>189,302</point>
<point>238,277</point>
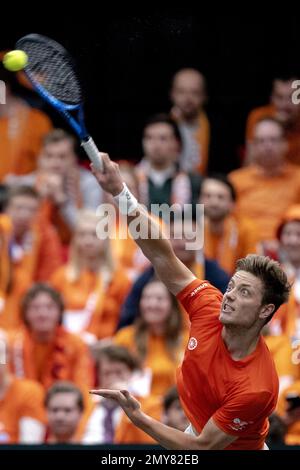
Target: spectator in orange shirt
<point>290,415</point>
<point>65,406</point>
<point>285,110</point>
<point>22,419</point>
<point>227,382</point>
<point>43,350</point>
<point>92,285</point>
<point>34,244</point>
<point>266,188</point>
<point>63,185</point>
<point>157,336</point>
<point>13,283</point>
<point>22,129</point>
<point>287,321</point>
<point>227,237</point>
<point>188,96</point>
<point>282,353</point>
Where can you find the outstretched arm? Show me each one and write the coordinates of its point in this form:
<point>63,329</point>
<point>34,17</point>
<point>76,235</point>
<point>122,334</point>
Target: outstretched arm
<point>211,437</point>
<point>172,272</point>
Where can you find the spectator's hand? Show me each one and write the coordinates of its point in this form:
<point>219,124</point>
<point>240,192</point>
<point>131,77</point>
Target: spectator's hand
<point>110,179</point>
<point>52,187</point>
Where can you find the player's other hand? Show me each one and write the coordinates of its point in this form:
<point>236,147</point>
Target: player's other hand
<point>130,405</point>
<point>110,179</point>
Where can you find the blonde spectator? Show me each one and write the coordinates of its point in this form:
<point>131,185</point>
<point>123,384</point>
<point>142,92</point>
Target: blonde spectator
<point>157,336</point>
<point>92,286</point>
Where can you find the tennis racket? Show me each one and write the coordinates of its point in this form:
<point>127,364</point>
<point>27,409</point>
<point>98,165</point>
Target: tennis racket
<point>52,73</point>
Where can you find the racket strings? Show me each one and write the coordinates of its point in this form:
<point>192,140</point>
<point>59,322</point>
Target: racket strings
<point>53,70</point>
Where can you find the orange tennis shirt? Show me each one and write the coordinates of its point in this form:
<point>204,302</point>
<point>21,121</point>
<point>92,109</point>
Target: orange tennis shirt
<point>238,395</point>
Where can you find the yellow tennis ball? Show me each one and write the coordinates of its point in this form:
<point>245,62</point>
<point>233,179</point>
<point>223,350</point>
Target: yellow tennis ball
<point>15,60</point>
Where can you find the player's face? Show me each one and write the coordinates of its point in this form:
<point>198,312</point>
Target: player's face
<point>160,144</point>
<point>216,198</point>
<point>63,414</point>
<point>290,241</point>
<point>242,302</point>
<point>42,313</point>
<point>155,304</point>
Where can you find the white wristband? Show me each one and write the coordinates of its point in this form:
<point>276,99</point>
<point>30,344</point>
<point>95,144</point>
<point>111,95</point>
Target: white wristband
<point>126,201</point>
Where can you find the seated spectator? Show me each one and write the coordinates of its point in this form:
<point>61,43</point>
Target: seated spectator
<point>160,181</point>
<point>157,336</point>
<point>282,353</point>
<point>188,96</point>
<point>287,319</point>
<point>106,422</point>
<point>22,419</point>
<point>266,188</point>
<point>92,286</point>
<point>289,414</point>
<point>227,237</point>
<point>173,413</point>
<point>34,246</point>
<point>63,185</point>
<point>64,406</point>
<point>283,109</point>
<point>22,129</point>
<point>43,350</point>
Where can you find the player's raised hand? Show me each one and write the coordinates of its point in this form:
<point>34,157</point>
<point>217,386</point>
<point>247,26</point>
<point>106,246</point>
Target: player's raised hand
<point>110,178</point>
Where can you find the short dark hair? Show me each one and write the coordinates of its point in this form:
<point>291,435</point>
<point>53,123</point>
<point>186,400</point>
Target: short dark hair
<point>65,387</point>
<point>115,353</point>
<point>163,118</point>
<point>22,190</point>
<point>274,279</point>
<point>170,397</point>
<point>41,288</point>
<point>57,135</point>
<point>221,178</point>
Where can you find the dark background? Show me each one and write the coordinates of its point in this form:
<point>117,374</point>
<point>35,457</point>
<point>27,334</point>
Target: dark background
<point>126,62</point>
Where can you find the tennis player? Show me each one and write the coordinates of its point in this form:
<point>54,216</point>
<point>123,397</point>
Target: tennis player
<point>227,382</point>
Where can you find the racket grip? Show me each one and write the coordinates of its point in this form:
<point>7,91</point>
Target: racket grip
<point>93,153</point>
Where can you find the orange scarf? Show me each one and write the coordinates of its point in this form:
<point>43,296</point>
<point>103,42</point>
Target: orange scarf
<point>56,366</point>
<point>203,137</point>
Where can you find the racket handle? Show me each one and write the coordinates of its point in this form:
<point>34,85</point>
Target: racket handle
<point>93,153</point>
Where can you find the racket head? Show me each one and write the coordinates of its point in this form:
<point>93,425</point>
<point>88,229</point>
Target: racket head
<point>51,69</point>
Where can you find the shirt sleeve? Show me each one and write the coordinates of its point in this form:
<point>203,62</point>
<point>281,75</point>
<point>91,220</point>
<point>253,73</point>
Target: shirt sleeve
<point>243,414</point>
<point>201,300</point>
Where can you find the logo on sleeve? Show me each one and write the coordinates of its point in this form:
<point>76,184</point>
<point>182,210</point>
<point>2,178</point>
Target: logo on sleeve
<point>202,286</point>
<point>238,424</point>
<point>193,343</point>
